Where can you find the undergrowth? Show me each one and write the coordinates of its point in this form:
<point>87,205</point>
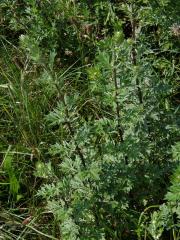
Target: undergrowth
<point>89,120</point>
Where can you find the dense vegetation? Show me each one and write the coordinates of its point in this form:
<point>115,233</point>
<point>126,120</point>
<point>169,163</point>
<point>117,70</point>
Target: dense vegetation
<point>89,126</point>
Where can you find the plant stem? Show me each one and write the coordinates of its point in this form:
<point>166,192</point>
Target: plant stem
<point>71,130</point>
<point>134,55</point>
<point>114,77</point>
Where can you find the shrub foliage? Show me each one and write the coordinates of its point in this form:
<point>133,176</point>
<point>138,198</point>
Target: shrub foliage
<point>89,119</point>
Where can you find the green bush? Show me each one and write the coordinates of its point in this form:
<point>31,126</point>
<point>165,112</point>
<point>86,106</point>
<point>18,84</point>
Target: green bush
<point>89,115</point>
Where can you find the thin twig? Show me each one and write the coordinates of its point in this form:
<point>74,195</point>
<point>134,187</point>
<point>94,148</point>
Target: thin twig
<point>114,77</point>
<point>134,55</point>
<point>71,130</point>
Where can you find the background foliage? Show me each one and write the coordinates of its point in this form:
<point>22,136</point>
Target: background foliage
<point>89,119</point>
